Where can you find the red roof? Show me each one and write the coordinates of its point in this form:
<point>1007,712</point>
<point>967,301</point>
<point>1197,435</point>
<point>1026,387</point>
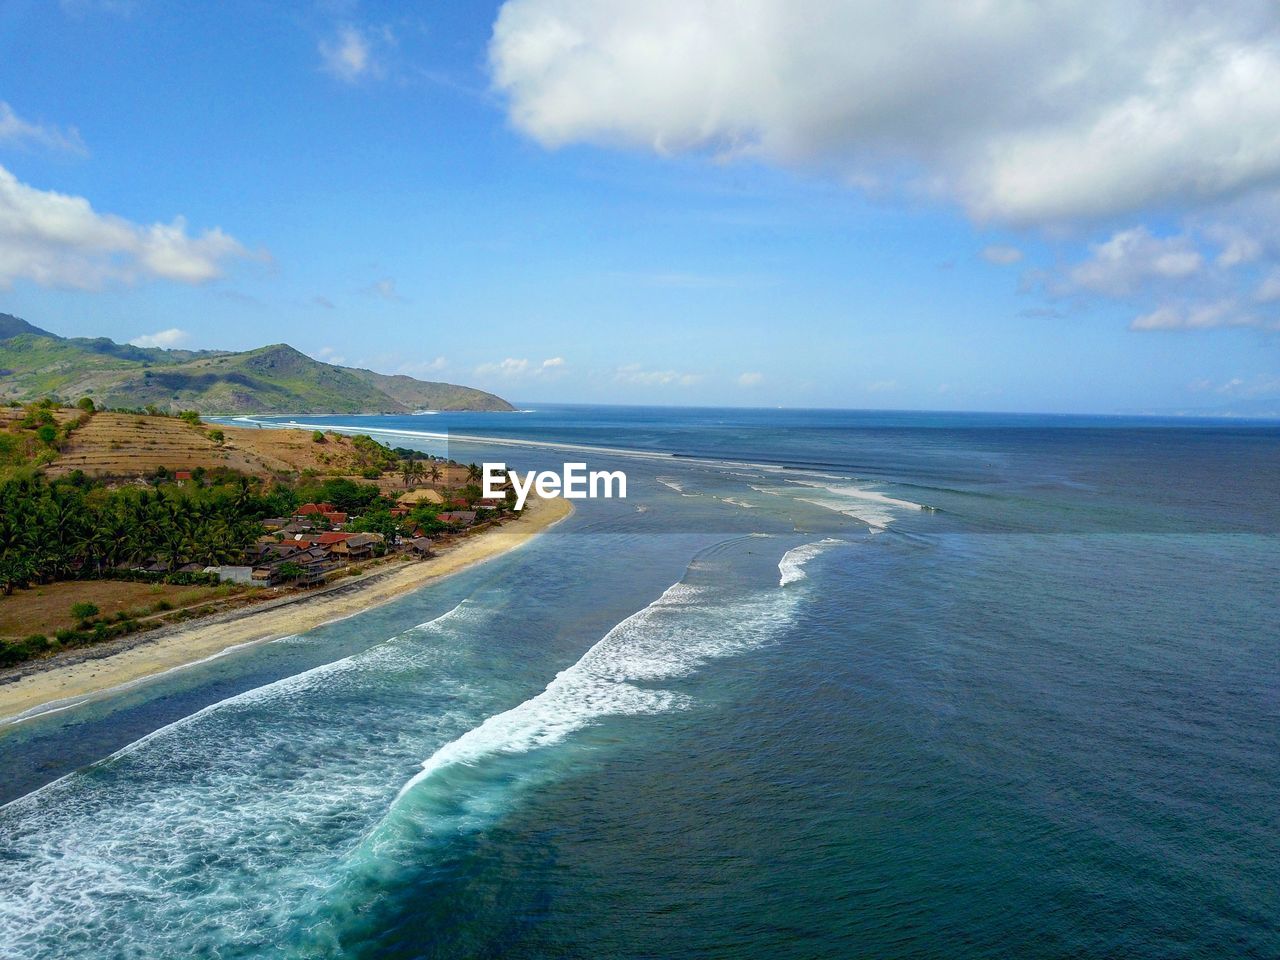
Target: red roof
<point>336,516</point>
<point>332,537</point>
<point>182,474</point>
<point>309,508</point>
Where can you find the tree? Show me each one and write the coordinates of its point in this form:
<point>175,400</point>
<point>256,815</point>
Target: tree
<point>86,404</point>
<point>435,473</point>
<point>15,571</point>
<point>289,570</point>
<point>410,470</point>
<point>47,435</point>
<point>318,437</point>
<point>217,436</point>
<point>473,473</point>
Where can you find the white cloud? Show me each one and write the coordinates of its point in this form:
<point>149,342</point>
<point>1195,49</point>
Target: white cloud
<point>1269,289</point>
<point>1198,316</point>
<point>329,355</point>
<point>424,366</point>
<point>1025,113</point>
<point>385,289</point>
<point>15,131</point>
<point>513,367</point>
<point>59,240</point>
<point>1237,386</point>
<point>1131,259</point>
<point>355,53</point>
<point>162,338</point>
<point>1001,255</point>
<point>1066,116</point>
<point>634,374</point>
<point>750,379</point>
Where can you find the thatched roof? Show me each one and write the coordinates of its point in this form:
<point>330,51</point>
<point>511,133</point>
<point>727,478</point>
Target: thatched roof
<point>425,495</point>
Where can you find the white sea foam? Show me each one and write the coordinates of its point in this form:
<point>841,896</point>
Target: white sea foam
<point>264,781</point>
<point>872,507</point>
<point>670,638</point>
<point>791,566</point>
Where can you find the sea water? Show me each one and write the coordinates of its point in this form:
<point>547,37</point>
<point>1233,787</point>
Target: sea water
<point>823,685</point>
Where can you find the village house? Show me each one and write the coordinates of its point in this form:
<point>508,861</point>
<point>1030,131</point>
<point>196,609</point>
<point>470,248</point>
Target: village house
<point>458,518</point>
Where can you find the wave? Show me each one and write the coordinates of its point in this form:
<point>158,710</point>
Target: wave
<point>873,508</point>
<point>791,566</point>
<point>207,815</point>
<point>670,638</point>
<point>676,485</point>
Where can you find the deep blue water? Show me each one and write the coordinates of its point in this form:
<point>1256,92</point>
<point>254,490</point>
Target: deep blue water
<point>766,706</point>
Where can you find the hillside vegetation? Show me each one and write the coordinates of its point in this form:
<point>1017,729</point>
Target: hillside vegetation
<point>35,363</point>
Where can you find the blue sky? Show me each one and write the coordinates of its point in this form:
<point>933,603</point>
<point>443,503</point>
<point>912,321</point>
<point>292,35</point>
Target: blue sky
<point>807,222</point>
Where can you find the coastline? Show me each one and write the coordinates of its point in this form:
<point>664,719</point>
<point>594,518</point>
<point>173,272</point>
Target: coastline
<point>147,655</point>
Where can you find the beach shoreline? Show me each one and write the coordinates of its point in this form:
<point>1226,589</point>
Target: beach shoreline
<point>92,672</point>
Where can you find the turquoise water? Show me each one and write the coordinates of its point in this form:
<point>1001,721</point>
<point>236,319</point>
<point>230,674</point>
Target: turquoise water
<point>766,706</point>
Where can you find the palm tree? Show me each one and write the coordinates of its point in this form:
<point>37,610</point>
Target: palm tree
<point>473,473</point>
<point>435,473</point>
<point>411,470</point>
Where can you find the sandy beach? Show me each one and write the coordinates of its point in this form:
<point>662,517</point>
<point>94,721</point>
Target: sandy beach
<point>89,672</point>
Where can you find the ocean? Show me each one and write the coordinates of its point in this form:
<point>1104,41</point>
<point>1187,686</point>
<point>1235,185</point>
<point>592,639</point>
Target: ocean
<point>825,684</point>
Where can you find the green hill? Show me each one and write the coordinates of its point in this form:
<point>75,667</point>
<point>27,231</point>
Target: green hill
<point>35,363</point>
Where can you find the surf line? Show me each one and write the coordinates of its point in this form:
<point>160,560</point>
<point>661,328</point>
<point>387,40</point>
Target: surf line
<point>574,482</point>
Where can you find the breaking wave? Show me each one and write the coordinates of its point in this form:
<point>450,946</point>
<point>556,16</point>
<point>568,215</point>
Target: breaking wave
<point>791,566</point>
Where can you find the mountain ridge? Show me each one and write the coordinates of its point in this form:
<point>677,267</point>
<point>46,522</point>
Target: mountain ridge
<point>276,378</point>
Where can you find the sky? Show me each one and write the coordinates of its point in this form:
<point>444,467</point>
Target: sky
<point>1052,207</point>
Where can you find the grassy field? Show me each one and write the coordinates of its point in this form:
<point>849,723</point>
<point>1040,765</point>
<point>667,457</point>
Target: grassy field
<point>47,609</point>
<point>132,445</point>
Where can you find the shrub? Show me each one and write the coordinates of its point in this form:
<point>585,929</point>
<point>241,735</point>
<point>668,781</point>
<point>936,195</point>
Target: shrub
<point>217,436</point>
<point>317,437</point>
<point>83,611</point>
<point>86,404</point>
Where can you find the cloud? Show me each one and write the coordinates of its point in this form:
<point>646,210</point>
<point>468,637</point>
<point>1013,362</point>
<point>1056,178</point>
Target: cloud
<point>1269,289</point>
<point>1113,109</point>
<point>750,379</point>
<point>59,240</point>
<point>1001,255</point>
<point>15,131</point>
<point>633,374</point>
<point>329,355</point>
<point>1131,259</point>
<point>1259,385</point>
<point>1065,117</point>
<point>423,366</point>
<point>512,368</point>
<point>356,53</point>
<point>385,289</point>
<point>1199,316</point>
<point>168,339</point>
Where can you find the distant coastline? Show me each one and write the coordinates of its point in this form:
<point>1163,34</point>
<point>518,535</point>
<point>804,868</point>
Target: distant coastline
<point>53,684</point>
